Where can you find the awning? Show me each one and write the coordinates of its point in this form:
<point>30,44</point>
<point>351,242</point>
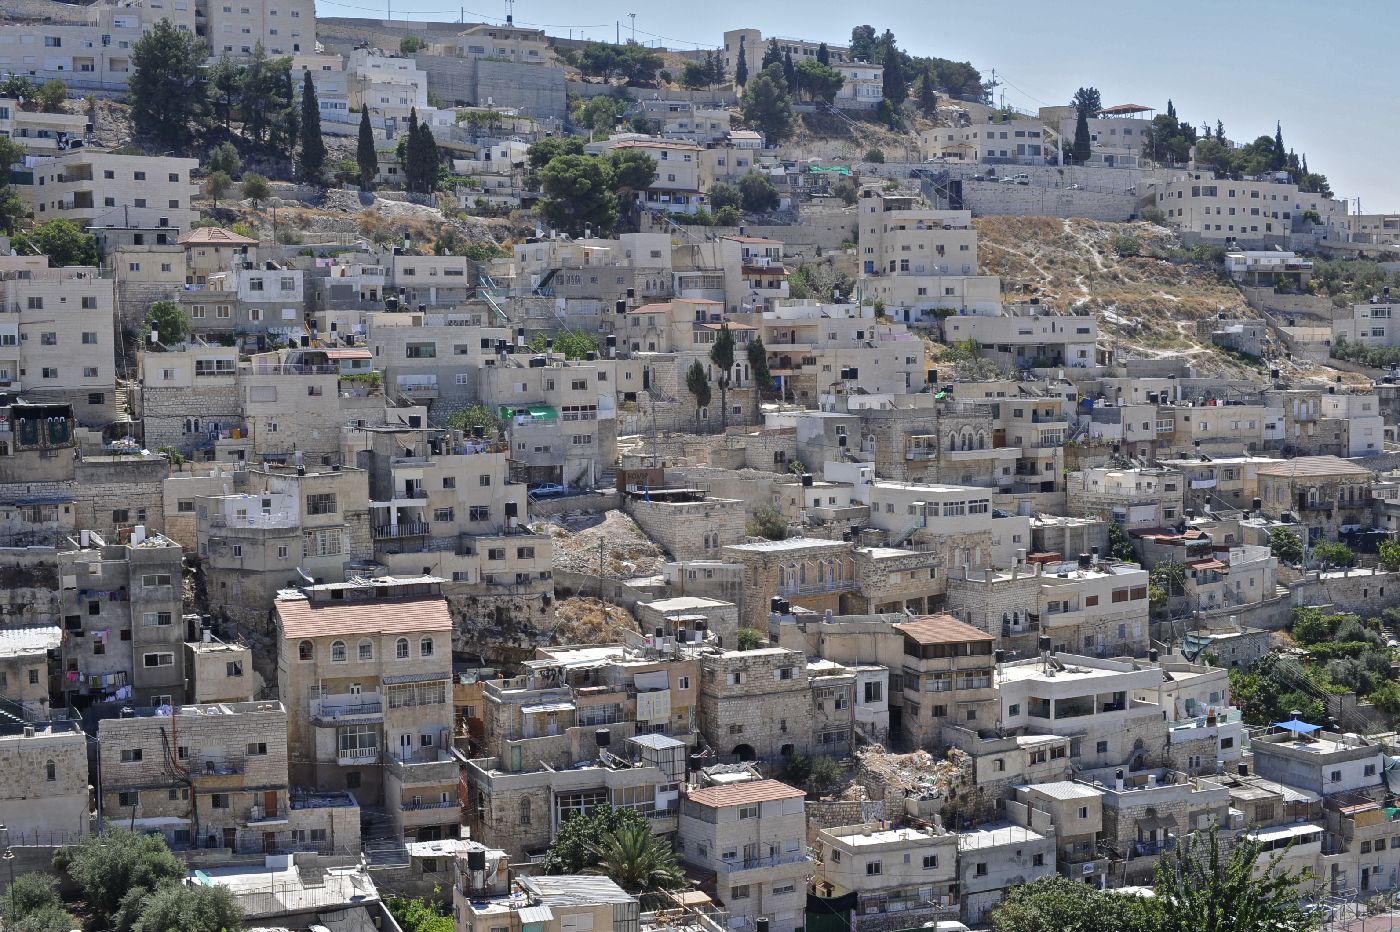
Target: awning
<point>1296,726</point>
<point>348,354</point>
<point>547,707</point>
<point>535,914</point>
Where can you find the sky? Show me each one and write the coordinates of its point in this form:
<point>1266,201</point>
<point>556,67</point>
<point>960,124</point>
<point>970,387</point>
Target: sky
<point>1324,70</point>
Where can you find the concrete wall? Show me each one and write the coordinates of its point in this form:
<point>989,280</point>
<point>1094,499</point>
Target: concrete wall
<point>721,96</point>
<point>535,89</point>
<point>1364,592</point>
<point>992,198</point>
<point>1266,299</point>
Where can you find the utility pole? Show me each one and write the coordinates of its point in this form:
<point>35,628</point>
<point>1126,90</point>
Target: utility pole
<point>634,30</point>
<point>617,32</point>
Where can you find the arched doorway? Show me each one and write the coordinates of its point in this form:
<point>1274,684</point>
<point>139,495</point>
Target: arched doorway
<point>745,753</point>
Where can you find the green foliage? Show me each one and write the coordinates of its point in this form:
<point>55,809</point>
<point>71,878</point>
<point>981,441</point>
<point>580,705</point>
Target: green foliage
<point>1333,554</point>
<point>168,322</point>
<point>1285,545</point>
<point>1120,545</point>
<point>758,194</point>
<point>1274,687</point>
<point>1083,148</point>
<point>751,639</point>
<point>573,344</point>
<point>698,384</point>
<point>476,415</point>
<point>767,522</point>
<point>573,851</point>
<point>928,93</point>
<point>1152,214</point>
<point>758,365</point>
<point>216,186</point>
<point>1062,904</point>
<point>640,862</point>
<point>108,867</point>
<point>847,191</point>
<point>722,355</point>
<point>1087,100</point>
<point>32,904</point>
<point>723,194</point>
<point>728,217</point>
<point>694,75</point>
<point>578,193</point>
<point>410,44</point>
<point>255,188</point>
<point>875,155</point>
<point>1389,554</point>
<point>826,774</point>
<point>224,158</point>
<point>816,81</point>
<point>419,157</point>
<point>51,95</point>
<point>767,105</point>
<point>632,63</point>
<point>1205,885</point>
<point>313,148</point>
<point>896,86</point>
<point>63,241</point>
<point>550,148</point>
<point>741,67</point>
<point>18,87</point>
<point>632,170</point>
<point>267,101</point>
<point>166,90</point>
<point>1124,245</point>
<point>189,908</point>
<point>1168,139</point>
<point>366,157</point>
<point>1377,357</point>
<point>600,114</point>
<point>416,914</point>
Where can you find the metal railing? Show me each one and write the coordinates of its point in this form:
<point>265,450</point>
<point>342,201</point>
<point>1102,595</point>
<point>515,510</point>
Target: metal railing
<point>402,529</point>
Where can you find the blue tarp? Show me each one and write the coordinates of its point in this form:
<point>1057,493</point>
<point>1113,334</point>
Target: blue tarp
<point>1295,725</point>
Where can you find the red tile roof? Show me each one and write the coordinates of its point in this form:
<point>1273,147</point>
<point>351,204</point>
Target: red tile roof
<point>942,629</point>
<point>303,619</point>
<point>215,236</point>
<point>743,794</point>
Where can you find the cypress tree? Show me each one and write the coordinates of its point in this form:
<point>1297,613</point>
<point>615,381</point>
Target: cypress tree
<point>412,155</point>
<point>365,155</point>
<point>1083,145</point>
<point>428,159</point>
<point>741,67</point>
<point>789,73</point>
<point>313,147</point>
<point>823,55</point>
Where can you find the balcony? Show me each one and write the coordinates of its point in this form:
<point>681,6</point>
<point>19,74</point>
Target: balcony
<point>421,807</point>
<point>341,710</point>
<point>350,757</point>
<point>436,767</point>
<point>821,588</point>
<point>738,865</point>
<point>402,529</point>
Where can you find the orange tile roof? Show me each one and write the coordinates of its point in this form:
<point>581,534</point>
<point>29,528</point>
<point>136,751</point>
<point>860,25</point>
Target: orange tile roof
<point>302,618</point>
<point>942,629</point>
<point>743,794</point>
<point>215,236</point>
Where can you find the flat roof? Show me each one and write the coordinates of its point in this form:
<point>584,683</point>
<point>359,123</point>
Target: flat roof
<point>1062,789</point>
<point>791,543</point>
<point>1314,466</point>
<point>991,835</point>
<point>17,642</point>
<point>302,618</point>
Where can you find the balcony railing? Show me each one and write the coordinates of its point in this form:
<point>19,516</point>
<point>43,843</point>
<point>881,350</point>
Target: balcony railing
<point>772,860</point>
<point>835,585</point>
<point>416,807</point>
<point>336,712</point>
<point>402,529</point>
<point>357,755</point>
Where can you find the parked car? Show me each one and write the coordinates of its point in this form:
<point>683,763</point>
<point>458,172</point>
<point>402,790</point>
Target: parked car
<point>1021,179</point>
<point>1073,187</point>
<point>546,489</point>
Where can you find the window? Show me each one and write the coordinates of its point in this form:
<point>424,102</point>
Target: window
<point>233,668</point>
<point>872,868</point>
<point>322,504</point>
<point>981,869</point>
<point>132,755</point>
<point>449,482</point>
<point>158,660</point>
<point>156,619</point>
<point>425,647</point>
<point>257,749</point>
<point>930,862</point>
<point>366,650</point>
<point>153,580</point>
<point>479,513</point>
<point>129,799</point>
<point>219,800</point>
<point>338,652</point>
<point>401,649</point>
<point>305,651</point>
<point>525,811</point>
<point>748,812</point>
<point>741,892</point>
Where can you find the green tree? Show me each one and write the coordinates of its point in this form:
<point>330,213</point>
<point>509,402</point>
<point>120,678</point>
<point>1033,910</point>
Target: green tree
<point>722,355</point>
<point>727,216</point>
<point>1061,904</point>
<point>773,55</point>
<point>1087,100</point>
<point>51,95</point>
<point>1311,625</point>
<point>757,193</point>
<point>1120,545</point>
<point>573,344</point>
<point>1207,887</point>
<point>63,241</point>
<point>429,161</point>
<point>578,193</point>
<point>600,114</point>
<point>751,639</point>
<point>826,774</point>
<point>698,384</point>
<point>166,91</point>
<point>767,106</point>
<point>635,859</point>
<point>1285,545</point>
<point>928,95</point>
<point>32,904</point>
<point>767,522</point>
<point>255,188</point>
<point>476,415</point>
<point>875,155</point>
<point>632,171</point>
<point>573,849</point>
<point>823,55</point>
<point>416,914</point>
<point>741,67</point>
<point>694,74</point>
<point>789,72</point>
<point>168,322</point>
<point>1083,148</point>
<point>863,43</point>
<point>758,367</point>
<point>216,185</point>
<point>723,194</point>
<point>366,157</point>
<point>1333,554</point>
<point>847,191</point>
<point>550,148</point>
<point>895,88</point>
<point>189,908</point>
<point>224,158</point>
<point>18,87</point>
<point>1389,553</point>
<point>313,148</point>
<point>107,868</point>
<point>224,79</point>
<point>818,82</point>
<point>410,44</point>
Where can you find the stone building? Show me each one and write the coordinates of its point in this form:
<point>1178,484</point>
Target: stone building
<point>758,704</point>
<point>1322,492</point>
<point>1134,498</point>
<point>26,679</point>
<point>807,572</point>
<point>752,837</point>
<point>116,492</point>
<point>1073,811</point>
<point>295,401</point>
<point>45,798</point>
<point>996,857</point>
<point>889,878</point>
<point>947,679</point>
<point>219,671</point>
<point>189,398</point>
<point>364,669</point>
<point>688,523</point>
<point>690,618</point>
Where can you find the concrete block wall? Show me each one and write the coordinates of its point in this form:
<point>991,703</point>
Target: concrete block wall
<point>992,198</point>
<point>33,807</point>
<point>133,485</point>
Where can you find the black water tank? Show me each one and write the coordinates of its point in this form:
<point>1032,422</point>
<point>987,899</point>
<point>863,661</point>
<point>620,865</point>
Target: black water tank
<point>611,341</point>
<point>621,306</point>
<point>1085,561</point>
<point>631,293</point>
<point>1152,655</point>
<point>806,480</point>
<point>761,924</point>
<point>775,604</point>
<point>479,431</point>
<point>999,656</point>
<point>512,509</point>
<point>476,859</point>
<point>590,356</point>
<point>603,737</point>
<point>1257,504</point>
<point>1043,642</point>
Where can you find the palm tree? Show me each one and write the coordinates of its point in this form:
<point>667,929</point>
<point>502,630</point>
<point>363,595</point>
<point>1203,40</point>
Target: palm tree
<point>638,862</point>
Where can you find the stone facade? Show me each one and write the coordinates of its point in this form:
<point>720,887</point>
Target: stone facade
<point>116,492</point>
<point>44,775</point>
<point>692,529</point>
<point>757,704</point>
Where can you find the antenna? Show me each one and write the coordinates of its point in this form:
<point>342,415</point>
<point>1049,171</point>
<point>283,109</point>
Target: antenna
<point>510,12</point>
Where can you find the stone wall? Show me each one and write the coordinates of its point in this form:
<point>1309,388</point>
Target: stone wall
<point>164,412</point>
<point>1364,592</point>
<point>992,198</point>
<point>684,529</point>
<point>109,486</point>
<point>535,89</point>
<point>34,808</point>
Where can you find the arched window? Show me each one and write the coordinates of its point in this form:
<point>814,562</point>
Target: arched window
<point>525,811</point>
<point>425,647</point>
<point>51,771</point>
<point>366,649</point>
<point>338,652</point>
<point>305,651</point>
<point>401,648</point>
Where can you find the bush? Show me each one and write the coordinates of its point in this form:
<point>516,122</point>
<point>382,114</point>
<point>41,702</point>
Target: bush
<point>728,217</point>
<point>1285,545</point>
<point>876,156</point>
<point>1125,246</point>
<point>768,522</point>
<point>1152,214</point>
<point>109,868</point>
<point>758,193</point>
<point>846,190</point>
<point>168,322</point>
<point>224,158</point>
<point>751,639</point>
<point>1333,554</point>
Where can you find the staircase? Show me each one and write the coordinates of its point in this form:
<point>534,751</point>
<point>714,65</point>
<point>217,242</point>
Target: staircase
<point>382,846</point>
